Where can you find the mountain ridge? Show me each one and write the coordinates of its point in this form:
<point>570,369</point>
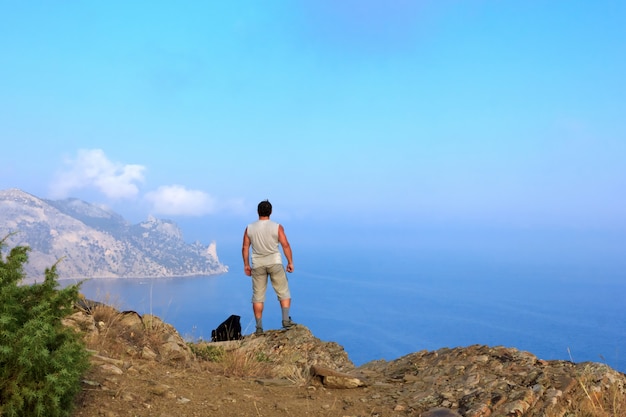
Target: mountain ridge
<point>90,241</point>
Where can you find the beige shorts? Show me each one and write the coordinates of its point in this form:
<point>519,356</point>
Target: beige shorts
<point>277,277</point>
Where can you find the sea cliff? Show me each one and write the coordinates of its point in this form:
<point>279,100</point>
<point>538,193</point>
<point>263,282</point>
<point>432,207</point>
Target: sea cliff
<point>142,366</point>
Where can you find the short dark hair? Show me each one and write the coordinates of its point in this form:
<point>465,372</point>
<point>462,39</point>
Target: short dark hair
<point>265,208</point>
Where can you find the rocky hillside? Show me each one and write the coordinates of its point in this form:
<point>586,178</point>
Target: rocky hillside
<point>94,242</point>
<point>142,367</point>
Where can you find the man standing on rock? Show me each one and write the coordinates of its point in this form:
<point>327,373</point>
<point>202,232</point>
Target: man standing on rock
<point>264,236</point>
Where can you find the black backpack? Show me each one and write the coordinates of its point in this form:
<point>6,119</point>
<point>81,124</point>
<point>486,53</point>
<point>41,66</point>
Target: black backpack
<point>230,329</point>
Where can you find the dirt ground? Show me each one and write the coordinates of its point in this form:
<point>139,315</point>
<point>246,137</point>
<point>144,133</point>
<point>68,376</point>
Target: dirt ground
<point>160,390</point>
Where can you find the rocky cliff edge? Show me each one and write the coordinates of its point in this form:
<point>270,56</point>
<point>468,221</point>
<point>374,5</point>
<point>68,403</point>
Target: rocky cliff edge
<point>143,366</point>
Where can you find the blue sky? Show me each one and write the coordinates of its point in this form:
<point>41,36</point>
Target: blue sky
<point>348,115</point>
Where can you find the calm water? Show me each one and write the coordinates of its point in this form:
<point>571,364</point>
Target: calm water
<point>392,308</point>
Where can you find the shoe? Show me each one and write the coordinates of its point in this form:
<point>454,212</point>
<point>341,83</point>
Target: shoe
<point>288,324</point>
<point>258,331</point>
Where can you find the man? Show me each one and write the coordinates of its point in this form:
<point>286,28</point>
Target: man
<point>264,236</point>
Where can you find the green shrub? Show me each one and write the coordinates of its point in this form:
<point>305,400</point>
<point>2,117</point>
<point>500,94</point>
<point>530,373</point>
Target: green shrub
<point>41,360</point>
<point>208,353</point>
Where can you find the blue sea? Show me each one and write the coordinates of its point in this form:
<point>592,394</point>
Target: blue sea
<point>386,304</point>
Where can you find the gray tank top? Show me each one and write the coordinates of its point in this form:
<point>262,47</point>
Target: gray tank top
<point>263,235</point>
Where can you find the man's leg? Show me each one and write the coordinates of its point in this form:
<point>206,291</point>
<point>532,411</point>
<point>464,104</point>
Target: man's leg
<point>284,306</point>
<point>257,308</point>
<point>259,286</point>
<point>281,287</point>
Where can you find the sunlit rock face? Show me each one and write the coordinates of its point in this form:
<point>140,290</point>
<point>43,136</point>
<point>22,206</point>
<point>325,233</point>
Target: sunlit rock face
<point>89,241</point>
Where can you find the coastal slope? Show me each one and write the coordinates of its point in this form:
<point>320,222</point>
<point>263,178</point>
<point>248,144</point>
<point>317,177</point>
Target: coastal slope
<point>143,367</point>
<point>90,241</point>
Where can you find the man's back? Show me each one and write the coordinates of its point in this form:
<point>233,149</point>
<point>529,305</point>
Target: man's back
<point>263,235</point>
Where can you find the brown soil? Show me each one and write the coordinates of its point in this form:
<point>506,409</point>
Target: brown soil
<point>160,390</point>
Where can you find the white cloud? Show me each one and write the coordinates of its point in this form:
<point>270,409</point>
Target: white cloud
<point>177,200</point>
<point>92,169</point>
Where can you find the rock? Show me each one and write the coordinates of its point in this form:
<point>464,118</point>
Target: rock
<point>90,383</point>
<point>131,320</point>
<point>147,353</point>
<point>293,352</point>
<point>479,381</point>
<point>161,390</point>
<point>81,322</point>
<point>105,359</point>
<point>171,350</point>
<point>173,347</point>
<point>111,369</point>
<point>441,412</point>
<point>334,379</point>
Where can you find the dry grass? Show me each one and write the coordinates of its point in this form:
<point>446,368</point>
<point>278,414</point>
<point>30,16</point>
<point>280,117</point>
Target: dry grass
<point>234,362</point>
<point>249,362</point>
<point>116,339</point>
<point>595,402</point>
<point>105,318</point>
<point>242,363</point>
<point>105,314</point>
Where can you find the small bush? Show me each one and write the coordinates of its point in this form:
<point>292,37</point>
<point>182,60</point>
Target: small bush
<point>234,362</point>
<point>41,361</point>
<point>208,353</point>
<point>245,363</point>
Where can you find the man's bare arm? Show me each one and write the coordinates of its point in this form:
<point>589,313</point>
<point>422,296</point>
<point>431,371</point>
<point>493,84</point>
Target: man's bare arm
<point>245,253</point>
<point>282,238</point>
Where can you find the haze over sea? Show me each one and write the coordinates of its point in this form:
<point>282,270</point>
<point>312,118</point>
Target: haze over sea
<point>449,172</point>
<point>388,301</point>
